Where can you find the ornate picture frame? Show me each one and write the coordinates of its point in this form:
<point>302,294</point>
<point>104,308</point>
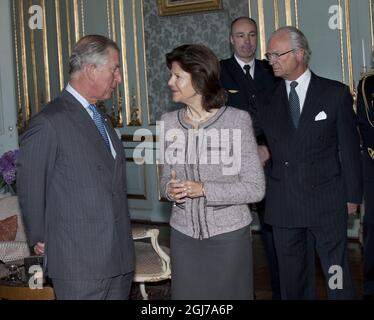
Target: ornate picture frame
<point>175,7</point>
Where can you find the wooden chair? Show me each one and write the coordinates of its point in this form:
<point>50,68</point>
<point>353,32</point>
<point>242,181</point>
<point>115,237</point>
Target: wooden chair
<point>152,262</point>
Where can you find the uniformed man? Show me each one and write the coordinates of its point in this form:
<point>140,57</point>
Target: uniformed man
<point>365,117</point>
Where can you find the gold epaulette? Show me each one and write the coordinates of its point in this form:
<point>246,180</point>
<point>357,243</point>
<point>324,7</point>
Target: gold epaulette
<point>371,153</point>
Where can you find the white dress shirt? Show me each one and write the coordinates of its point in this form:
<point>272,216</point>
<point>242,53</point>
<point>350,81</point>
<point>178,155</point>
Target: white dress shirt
<point>251,64</point>
<point>302,87</point>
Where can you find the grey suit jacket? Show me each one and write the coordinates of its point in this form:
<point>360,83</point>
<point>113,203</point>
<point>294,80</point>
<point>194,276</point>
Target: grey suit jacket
<point>316,168</point>
<point>73,194</point>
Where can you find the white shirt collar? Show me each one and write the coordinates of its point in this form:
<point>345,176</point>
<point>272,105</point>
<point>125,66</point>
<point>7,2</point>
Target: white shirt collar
<point>303,81</point>
<point>302,87</point>
<point>77,96</point>
<point>250,63</point>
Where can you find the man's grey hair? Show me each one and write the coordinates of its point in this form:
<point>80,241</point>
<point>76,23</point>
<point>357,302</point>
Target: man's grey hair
<point>91,49</point>
<point>298,40</point>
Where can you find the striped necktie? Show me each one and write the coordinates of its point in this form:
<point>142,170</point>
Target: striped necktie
<point>294,103</point>
<point>97,118</point>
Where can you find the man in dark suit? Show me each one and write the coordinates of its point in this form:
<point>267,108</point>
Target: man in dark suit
<point>242,85</point>
<point>71,182</point>
<point>315,177</point>
<point>365,117</point>
<point>244,77</point>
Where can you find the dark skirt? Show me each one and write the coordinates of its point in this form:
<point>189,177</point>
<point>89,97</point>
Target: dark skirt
<point>218,268</point>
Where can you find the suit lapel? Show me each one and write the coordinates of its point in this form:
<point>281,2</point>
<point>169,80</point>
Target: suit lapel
<point>258,76</point>
<point>310,108</point>
<point>281,112</point>
<point>87,128</point>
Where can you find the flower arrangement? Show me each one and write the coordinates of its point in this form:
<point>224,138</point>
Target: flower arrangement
<point>8,171</point>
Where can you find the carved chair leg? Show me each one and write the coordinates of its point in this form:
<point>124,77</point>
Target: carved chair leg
<point>142,290</point>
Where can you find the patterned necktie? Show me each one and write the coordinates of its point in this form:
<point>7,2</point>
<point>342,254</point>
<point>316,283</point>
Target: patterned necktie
<point>99,123</point>
<point>247,68</point>
<point>294,103</point>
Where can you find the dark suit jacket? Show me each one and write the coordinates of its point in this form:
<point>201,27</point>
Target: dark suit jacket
<point>242,94</point>
<point>367,135</point>
<point>73,194</point>
<point>316,168</point>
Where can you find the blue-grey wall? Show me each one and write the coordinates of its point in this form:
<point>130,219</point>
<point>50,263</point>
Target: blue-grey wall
<point>162,34</point>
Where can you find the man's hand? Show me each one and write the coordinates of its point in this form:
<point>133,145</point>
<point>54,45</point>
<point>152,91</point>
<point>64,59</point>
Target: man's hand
<point>352,208</point>
<point>39,248</point>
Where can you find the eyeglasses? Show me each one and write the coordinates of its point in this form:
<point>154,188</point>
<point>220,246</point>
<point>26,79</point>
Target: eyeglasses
<point>269,56</point>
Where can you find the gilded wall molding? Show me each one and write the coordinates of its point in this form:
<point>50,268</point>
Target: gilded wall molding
<point>341,44</point>
<point>45,55</point>
<point>276,14</point>
<point>371,28</point>
<point>68,25</point>
<point>349,44</point>
<point>296,6</point>
<point>137,104</point>
<point>82,19</point>
<point>112,14</point>
<point>288,13</point>
<point>25,82</point>
<point>19,98</point>
<point>145,61</point>
<point>117,118</point>
<point>76,20</point>
<point>124,61</point>
<point>108,16</point>
<point>33,65</point>
<point>59,44</point>
<point>261,24</point>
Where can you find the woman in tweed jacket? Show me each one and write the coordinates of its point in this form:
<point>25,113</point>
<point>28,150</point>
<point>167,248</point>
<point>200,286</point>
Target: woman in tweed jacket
<point>211,171</point>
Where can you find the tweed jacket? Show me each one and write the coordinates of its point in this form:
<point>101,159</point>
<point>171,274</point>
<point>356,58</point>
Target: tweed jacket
<point>222,154</point>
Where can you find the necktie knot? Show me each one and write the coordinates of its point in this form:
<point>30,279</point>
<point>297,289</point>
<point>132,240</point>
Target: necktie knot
<point>294,84</point>
<point>97,118</point>
<point>92,107</point>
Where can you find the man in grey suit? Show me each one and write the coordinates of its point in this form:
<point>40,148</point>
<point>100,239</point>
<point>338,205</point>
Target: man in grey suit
<point>314,181</point>
<point>71,182</point>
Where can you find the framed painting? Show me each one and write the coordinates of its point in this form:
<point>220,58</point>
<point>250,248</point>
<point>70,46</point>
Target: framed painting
<point>174,7</point>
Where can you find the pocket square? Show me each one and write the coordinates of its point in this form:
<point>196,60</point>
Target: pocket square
<point>232,91</point>
<point>321,116</point>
